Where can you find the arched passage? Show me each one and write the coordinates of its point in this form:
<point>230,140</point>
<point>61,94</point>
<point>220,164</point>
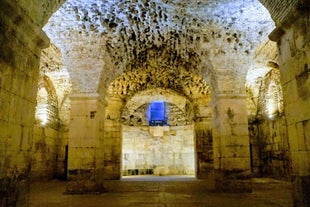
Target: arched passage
<point>45,138</point>
<point>127,97</point>
<point>29,41</point>
<point>158,150</point>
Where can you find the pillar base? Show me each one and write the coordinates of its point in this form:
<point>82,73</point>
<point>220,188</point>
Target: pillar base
<point>233,181</point>
<point>301,190</point>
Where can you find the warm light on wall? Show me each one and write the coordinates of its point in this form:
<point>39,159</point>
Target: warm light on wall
<point>272,101</point>
<point>271,108</point>
<point>42,114</point>
<point>42,107</point>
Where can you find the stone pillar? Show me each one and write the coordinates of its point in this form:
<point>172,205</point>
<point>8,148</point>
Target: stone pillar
<point>203,139</point>
<point>204,148</point>
<point>84,144</point>
<point>293,39</point>
<point>113,139</point>
<point>231,144</point>
<point>21,43</point>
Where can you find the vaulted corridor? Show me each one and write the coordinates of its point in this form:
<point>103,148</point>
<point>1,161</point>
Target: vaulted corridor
<point>93,91</point>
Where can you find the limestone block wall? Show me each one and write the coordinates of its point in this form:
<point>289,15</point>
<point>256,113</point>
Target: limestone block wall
<point>46,153</point>
<point>203,138</point>
<point>49,155</point>
<point>231,144</point>
<point>85,144</point>
<point>158,150</point>
<point>112,139</point>
<point>204,147</point>
<point>294,61</point>
<point>83,137</point>
<point>139,118</point>
<point>270,155</point>
<point>19,74</point>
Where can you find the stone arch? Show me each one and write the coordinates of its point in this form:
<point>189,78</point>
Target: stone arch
<point>266,56</point>
<point>111,26</point>
<point>47,103</point>
<point>139,102</point>
<point>197,110</point>
<point>184,82</point>
<point>46,138</point>
<point>267,125</point>
<point>271,97</point>
<point>164,137</point>
<point>51,7</point>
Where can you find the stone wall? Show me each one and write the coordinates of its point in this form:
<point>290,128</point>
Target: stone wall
<point>138,117</point>
<point>19,74</point>
<point>46,154</point>
<point>82,135</point>
<point>269,148</point>
<point>85,144</point>
<point>294,61</point>
<point>270,155</point>
<point>49,155</point>
<point>158,150</point>
<point>204,147</point>
<point>231,149</point>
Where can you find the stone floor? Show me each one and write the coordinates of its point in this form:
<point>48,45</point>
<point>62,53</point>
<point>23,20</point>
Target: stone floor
<point>162,192</point>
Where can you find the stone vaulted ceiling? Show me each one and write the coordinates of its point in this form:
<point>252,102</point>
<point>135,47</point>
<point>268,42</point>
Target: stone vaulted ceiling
<point>99,39</point>
<point>185,83</point>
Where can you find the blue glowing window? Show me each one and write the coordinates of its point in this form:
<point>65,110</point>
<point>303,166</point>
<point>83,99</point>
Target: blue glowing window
<point>157,113</point>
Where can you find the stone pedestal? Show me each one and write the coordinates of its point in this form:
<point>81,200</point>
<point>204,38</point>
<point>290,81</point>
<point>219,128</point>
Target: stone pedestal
<point>231,145</point>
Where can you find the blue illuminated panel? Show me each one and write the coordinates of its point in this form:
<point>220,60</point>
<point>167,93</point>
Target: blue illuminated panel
<point>156,114</point>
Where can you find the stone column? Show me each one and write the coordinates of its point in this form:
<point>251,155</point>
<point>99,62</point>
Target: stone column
<point>203,139</point>
<point>231,144</point>
<point>84,144</point>
<point>204,148</point>
<point>113,139</point>
<point>293,39</point>
<point>21,42</point>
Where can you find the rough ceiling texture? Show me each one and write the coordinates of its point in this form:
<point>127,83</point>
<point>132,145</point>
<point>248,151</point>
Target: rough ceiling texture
<point>185,83</point>
<point>115,36</point>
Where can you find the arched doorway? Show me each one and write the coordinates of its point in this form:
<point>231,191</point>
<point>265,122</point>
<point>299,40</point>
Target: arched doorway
<point>157,139</point>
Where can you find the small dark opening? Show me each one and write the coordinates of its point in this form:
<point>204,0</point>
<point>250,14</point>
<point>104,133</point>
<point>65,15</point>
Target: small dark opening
<point>92,114</point>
